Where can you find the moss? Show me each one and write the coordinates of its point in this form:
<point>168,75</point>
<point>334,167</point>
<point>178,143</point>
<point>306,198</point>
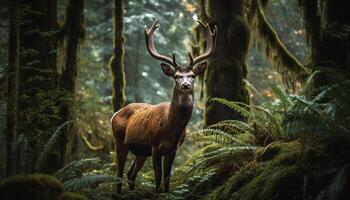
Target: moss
<point>267,153</point>
<point>33,187</point>
<point>72,196</point>
<point>227,66</point>
<point>280,58</point>
<point>37,186</point>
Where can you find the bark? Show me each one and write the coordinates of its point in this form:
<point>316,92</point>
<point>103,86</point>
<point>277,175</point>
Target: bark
<point>106,38</point>
<point>227,66</point>
<point>74,31</point>
<point>13,67</point>
<point>327,30</point>
<point>37,75</point>
<point>334,53</point>
<point>136,69</point>
<point>116,63</point>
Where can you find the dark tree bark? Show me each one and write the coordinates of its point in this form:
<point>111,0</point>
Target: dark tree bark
<point>107,38</point>
<point>136,77</point>
<point>117,63</point>
<point>227,66</point>
<point>74,30</point>
<point>327,31</point>
<point>13,67</point>
<point>37,117</point>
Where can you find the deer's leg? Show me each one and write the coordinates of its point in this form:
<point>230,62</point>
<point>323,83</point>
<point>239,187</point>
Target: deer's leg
<point>157,166</point>
<point>122,153</point>
<point>168,163</point>
<point>136,167</point>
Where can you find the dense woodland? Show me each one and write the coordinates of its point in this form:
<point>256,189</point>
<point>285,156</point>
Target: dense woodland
<point>270,117</point>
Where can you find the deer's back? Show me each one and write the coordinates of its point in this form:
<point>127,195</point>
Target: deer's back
<point>139,123</point>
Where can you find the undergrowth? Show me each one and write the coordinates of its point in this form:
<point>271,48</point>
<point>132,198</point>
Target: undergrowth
<point>226,150</point>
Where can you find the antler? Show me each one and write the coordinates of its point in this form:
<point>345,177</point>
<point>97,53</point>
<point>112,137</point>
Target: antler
<point>211,41</point>
<point>150,45</point>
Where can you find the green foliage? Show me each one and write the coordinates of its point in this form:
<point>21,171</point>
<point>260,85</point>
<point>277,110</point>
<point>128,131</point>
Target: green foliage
<point>89,177</point>
<point>49,146</point>
<point>84,182</point>
<point>323,116</point>
<point>22,154</point>
<point>77,168</point>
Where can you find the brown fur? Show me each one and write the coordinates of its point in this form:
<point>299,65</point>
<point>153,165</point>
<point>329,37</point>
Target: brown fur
<point>140,123</point>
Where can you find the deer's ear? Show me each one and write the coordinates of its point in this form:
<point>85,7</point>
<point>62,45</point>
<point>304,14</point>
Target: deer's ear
<point>167,69</point>
<point>200,68</point>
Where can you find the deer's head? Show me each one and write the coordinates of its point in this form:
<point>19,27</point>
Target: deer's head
<point>183,75</point>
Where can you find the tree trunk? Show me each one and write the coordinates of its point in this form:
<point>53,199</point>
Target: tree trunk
<point>13,67</point>
<point>327,30</point>
<point>117,63</point>
<point>136,77</point>
<point>334,51</point>
<point>74,30</point>
<point>227,66</point>
<point>37,117</point>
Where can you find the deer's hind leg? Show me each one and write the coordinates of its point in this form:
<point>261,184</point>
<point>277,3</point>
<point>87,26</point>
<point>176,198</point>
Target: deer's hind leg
<point>122,154</point>
<point>135,168</point>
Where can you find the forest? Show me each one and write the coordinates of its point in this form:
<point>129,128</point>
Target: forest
<point>188,99</point>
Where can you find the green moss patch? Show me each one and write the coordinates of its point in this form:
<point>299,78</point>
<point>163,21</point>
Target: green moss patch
<point>36,186</point>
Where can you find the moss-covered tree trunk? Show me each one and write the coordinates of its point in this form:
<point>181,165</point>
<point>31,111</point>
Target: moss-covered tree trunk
<point>227,66</point>
<point>117,62</point>
<point>328,34</point>
<point>334,51</point>
<point>37,114</point>
<point>13,67</point>
<point>74,30</point>
<point>136,69</point>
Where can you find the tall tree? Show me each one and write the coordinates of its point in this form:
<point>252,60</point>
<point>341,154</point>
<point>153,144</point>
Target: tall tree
<point>74,31</point>
<point>13,67</point>
<point>136,68</point>
<point>117,62</point>
<point>327,30</point>
<point>37,79</point>
<point>227,66</point>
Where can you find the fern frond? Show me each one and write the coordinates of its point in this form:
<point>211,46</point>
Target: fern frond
<point>77,168</point>
<point>233,126</point>
<point>49,146</point>
<point>22,154</point>
<point>80,183</point>
<point>281,95</point>
<point>218,136</point>
<point>238,107</point>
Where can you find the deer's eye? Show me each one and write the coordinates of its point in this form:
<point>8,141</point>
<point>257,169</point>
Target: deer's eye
<point>176,77</point>
<point>193,76</point>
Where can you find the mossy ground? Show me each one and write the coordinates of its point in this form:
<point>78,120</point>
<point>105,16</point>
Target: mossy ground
<point>287,171</point>
<point>36,186</point>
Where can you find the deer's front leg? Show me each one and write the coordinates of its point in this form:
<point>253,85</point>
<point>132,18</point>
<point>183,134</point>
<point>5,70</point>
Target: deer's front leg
<point>168,163</point>
<point>157,166</point>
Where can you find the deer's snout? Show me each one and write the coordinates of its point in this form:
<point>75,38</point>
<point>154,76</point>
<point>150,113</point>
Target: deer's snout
<point>185,86</point>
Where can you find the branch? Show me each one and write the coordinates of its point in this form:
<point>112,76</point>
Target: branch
<point>278,55</point>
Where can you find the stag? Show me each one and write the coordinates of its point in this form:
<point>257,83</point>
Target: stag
<point>158,130</point>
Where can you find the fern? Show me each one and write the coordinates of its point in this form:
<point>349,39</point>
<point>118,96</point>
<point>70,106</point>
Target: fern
<point>239,107</point>
<point>22,155</point>
<point>91,181</point>
<point>77,168</point>
<point>49,146</point>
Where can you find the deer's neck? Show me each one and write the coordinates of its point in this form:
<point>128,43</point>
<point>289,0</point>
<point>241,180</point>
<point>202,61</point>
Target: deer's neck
<point>180,109</point>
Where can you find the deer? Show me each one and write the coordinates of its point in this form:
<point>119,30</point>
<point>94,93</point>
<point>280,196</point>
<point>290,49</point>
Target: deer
<point>158,130</point>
